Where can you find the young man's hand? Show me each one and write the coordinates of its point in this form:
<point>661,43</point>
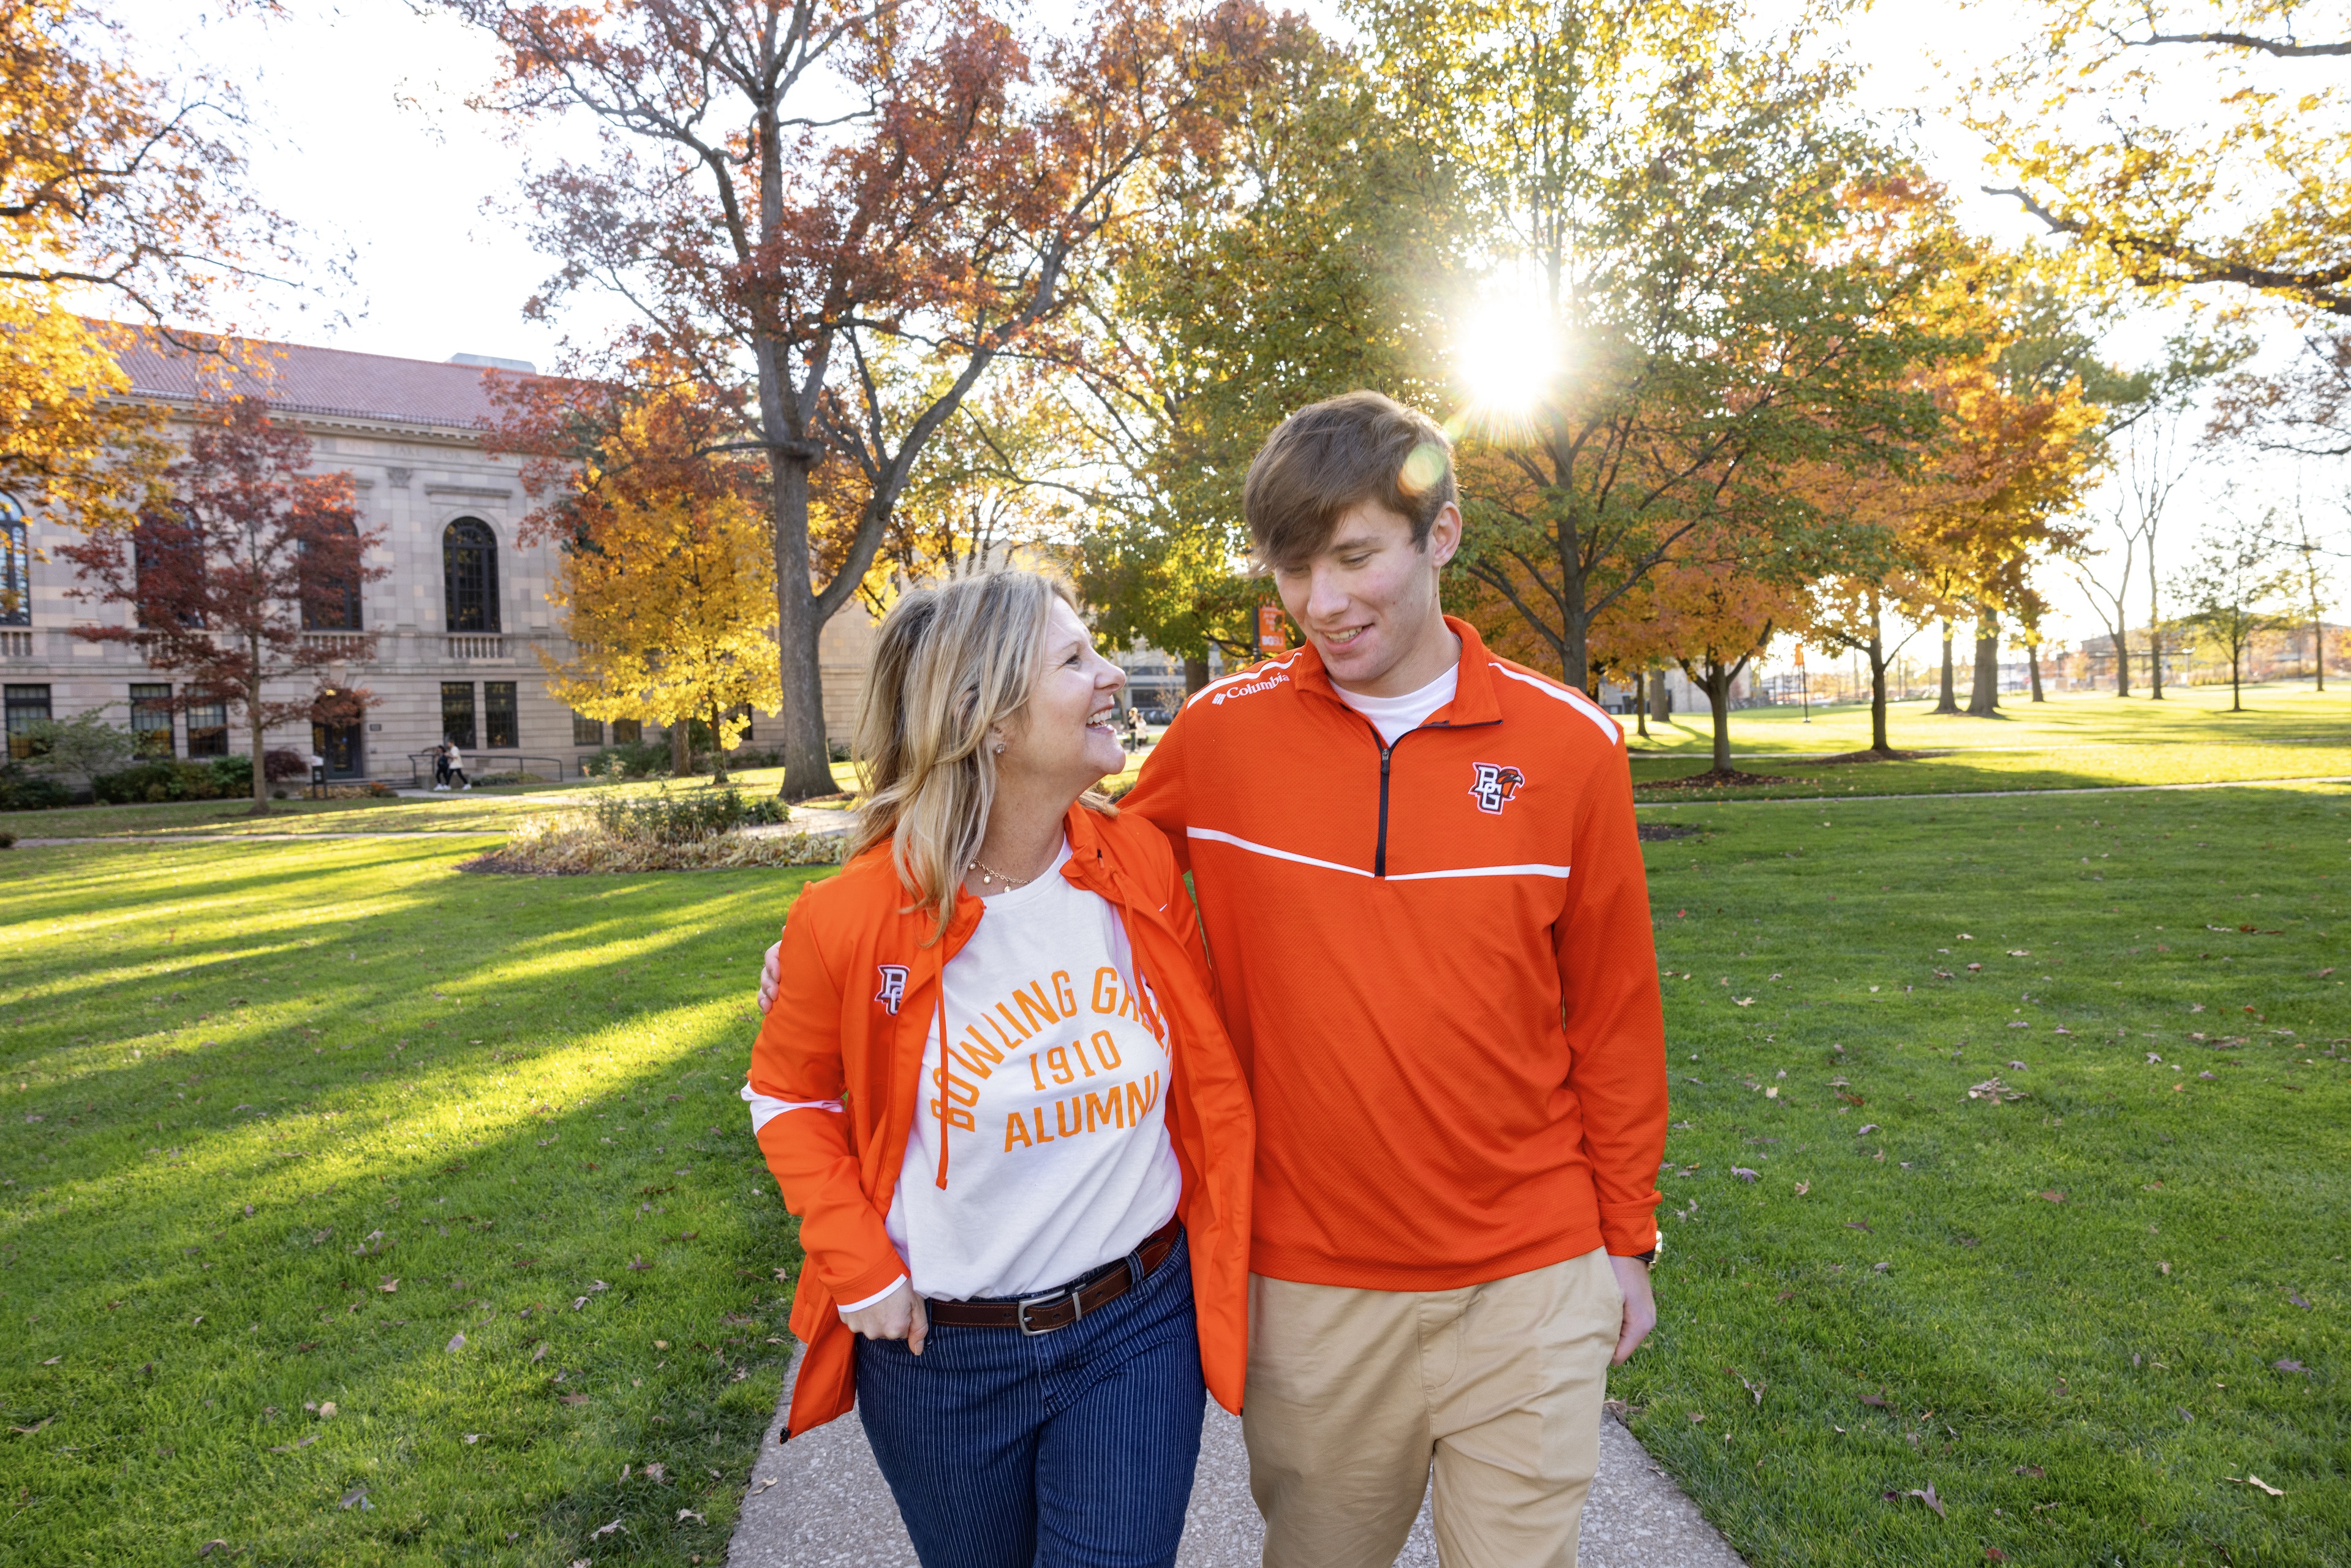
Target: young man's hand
<point>768,978</point>
<point>1640,1306</point>
<point>898,1315</point>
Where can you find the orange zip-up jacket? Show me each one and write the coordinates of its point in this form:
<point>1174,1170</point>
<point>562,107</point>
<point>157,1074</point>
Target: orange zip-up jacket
<point>1437,961</point>
<point>857,997</point>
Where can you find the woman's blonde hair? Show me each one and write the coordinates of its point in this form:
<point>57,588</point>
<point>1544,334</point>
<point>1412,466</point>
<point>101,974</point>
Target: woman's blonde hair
<point>952,664</point>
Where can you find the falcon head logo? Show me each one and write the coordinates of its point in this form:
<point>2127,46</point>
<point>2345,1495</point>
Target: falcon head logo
<point>893,986</point>
<point>1494,787</point>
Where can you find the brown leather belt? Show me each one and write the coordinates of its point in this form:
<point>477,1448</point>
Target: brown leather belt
<point>1058,1309</point>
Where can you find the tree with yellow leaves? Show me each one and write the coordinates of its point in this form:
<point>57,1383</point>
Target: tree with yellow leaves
<point>667,581</point>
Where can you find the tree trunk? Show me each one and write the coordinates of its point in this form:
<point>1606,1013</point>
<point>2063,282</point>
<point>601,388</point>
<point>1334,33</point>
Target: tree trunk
<point>2122,661</point>
<point>260,775</point>
<point>2318,640</point>
<point>1641,703</point>
<point>1195,672</point>
<point>2236,691</point>
<point>1948,699</point>
<point>681,749</point>
<point>1984,693</point>
<point>808,760</point>
<point>1661,699</point>
<point>1877,740</point>
<point>2153,629</point>
<point>1718,697</point>
<point>717,748</point>
<point>2033,664</point>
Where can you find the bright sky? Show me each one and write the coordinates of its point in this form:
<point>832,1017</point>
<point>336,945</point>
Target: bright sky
<point>363,139</point>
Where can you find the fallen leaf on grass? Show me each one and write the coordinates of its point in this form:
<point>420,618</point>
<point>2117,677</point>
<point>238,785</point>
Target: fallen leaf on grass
<point>2036,1472</point>
<point>2162,1268</point>
<point>390,1286</point>
<point>209,1547</point>
<point>1803,1187</point>
<point>1865,1129</point>
<point>1875,1401</point>
<point>1743,1174</point>
<point>2054,1197</point>
<point>355,1498</point>
<point>472,1437</point>
<point>289,1447</point>
<point>2293,1367</point>
<point>1858,1225</point>
<point>578,1302</point>
<point>52,1360</point>
<point>327,1411</point>
<point>2297,1300</point>
<point>2251,1480</point>
<point>608,1528</point>
<point>1923,1494</point>
<point>28,1431</point>
<point>571,1400</point>
<point>540,1355</point>
<point>638,1265</point>
<point>685,1513</point>
<point>456,1342</point>
<point>1994,1555</point>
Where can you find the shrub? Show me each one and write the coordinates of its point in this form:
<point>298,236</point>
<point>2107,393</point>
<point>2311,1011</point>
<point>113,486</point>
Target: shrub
<point>164,779</point>
<point>279,764</point>
<point>576,842</point>
<point>22,789</point>
<point>235,774</point>
<point>667,819</point>
<point>7,840</point>
<point>630,759</point>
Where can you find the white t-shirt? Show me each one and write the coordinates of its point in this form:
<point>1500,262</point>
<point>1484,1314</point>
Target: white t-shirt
<point>1056,1080</point>
<point>1392,716</point>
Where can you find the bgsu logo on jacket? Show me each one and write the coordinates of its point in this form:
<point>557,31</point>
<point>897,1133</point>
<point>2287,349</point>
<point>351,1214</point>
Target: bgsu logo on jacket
<point>893,986</point>
<point>1494,787</point>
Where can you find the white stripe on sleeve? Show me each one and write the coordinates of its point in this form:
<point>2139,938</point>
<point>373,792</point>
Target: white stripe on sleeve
<point>765,1108</point>
<point>882,1295</point>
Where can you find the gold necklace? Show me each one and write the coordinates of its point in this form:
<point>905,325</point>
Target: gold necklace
<point>990,874</point>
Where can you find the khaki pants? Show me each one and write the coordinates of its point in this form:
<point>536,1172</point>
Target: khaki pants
<point>1352,1393</point>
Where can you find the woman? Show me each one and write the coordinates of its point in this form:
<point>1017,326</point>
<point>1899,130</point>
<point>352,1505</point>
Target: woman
<point>994,1086</point>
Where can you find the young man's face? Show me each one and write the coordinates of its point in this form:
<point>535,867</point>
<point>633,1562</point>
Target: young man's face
<point>1367,601</point>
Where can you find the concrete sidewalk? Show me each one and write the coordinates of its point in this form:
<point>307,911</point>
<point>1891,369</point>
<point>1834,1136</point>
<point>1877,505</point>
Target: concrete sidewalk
<point>821,1503</point>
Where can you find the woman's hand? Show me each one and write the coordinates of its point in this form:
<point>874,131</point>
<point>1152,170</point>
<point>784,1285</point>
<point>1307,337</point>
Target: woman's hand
<point>898,1315</point>
<point>767,972</point>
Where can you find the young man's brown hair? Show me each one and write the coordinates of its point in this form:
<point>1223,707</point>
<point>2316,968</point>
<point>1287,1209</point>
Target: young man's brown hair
<point>1332,456</point>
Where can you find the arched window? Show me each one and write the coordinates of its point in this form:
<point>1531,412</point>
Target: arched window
<point>16,565</point>
<point>330,590</point>
<point>469,575</point>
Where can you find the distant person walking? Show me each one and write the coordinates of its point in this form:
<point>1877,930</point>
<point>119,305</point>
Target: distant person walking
<point>441,766</point>
<point>993,1083</point>
<point>457,779</point>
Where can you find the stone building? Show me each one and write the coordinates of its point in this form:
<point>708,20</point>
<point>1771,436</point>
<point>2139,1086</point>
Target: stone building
<point>460,621</point>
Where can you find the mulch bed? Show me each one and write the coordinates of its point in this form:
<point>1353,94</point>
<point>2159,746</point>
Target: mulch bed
<point>1877,757</point>
<point>1651,832</point>
<point>1720,779</point>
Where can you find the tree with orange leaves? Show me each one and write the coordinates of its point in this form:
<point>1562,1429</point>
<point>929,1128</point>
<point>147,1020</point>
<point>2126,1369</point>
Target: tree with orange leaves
<point>792,188</point>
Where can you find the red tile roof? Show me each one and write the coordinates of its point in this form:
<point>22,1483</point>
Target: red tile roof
<point>300,378</point>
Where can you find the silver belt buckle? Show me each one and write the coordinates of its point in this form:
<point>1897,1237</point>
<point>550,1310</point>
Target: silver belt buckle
<point>1051,1298</point>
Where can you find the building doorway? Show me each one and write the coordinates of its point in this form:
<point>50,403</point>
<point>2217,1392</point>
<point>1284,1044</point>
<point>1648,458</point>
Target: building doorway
<point>340,745</point>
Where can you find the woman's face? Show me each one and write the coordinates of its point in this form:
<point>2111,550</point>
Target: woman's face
<point>1062,741</point>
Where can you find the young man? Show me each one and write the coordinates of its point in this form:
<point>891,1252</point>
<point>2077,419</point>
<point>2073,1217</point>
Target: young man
<point>1420,882</point>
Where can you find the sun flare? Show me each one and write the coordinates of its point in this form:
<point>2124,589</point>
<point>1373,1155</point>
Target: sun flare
<point>1506,352</point>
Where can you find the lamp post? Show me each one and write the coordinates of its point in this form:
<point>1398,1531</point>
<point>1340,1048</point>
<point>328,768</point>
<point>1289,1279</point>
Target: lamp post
<point>1804,682</point>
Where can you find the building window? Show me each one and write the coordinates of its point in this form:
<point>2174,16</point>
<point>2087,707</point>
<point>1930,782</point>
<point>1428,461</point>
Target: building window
<point>330,591</point>
<point>628,731</point>
<point>585,731</point>
<point>469,575</point>
<point>207,729</point>
<point>501,728</point>
<point>16,565</point>
<point>151,719</point>
<point>458,713</point>
<point>27,706</point>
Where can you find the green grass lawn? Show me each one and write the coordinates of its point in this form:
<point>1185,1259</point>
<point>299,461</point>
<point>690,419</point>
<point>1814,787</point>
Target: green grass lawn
<point>251,1086</point>
<point>2079,740</point>
<point>2065,1312</point>
<point>504,1093</point>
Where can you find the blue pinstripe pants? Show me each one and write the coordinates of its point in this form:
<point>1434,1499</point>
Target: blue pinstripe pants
<point>1069,1449</point>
